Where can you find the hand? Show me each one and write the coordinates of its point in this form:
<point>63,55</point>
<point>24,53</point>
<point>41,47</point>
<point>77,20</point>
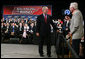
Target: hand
<point>82,38</point>
<point>57,30</point>
<point>66,28</point>
<point>37,34</point>
<point>67,36</point>
<point>5,31</point>
<point>70,34</point>
<point>12,33</point>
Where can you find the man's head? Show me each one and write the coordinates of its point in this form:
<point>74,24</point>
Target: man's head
<point>59,20</point>
<point>73,6</point>
<point>20,24</point>
<point>13,24</point>
<point>45,9</point>
<point>7,24</point>
<point>26,18</point>
<point>67,17</point>
<point>2,23</point>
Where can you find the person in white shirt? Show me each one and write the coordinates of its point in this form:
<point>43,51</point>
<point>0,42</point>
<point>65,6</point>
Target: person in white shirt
<point>26,31</point>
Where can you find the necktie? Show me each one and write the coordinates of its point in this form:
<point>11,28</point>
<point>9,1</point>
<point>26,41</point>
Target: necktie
<point>45,18</point>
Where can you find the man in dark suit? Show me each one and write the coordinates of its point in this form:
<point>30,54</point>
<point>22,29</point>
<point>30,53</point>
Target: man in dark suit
<point>13,30</point>
<point>7,31</point>
<point>20,30</point>
<point>43,31</point>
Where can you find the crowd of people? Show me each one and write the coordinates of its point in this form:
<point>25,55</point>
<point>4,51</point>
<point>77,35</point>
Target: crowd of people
<point>20,28</point>
<point>17,28</point>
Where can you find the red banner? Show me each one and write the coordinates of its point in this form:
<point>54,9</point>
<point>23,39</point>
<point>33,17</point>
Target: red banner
<point>24,10</point>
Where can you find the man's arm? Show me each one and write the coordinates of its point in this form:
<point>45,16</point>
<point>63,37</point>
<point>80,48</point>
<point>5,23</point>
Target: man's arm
<point>54,26</point>
<point>38,23</point>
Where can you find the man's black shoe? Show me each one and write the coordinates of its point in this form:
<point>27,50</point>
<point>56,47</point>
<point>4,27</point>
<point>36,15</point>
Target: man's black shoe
<point>49,55</point>
<point>41,55</point>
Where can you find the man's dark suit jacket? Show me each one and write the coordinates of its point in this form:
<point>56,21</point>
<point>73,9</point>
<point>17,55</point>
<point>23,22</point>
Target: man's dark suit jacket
<point>43,28</point>
<point>68,26</point>
<point>15,30</point>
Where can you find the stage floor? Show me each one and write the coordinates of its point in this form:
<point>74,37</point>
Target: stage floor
<point>23,51</point>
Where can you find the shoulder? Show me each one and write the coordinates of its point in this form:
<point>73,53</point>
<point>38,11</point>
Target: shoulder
<point>39,15</point>
<point>49,15</point>
<point>78,12</point>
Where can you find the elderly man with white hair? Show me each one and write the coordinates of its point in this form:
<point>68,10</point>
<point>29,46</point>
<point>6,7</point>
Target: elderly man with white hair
<point>76,26</point>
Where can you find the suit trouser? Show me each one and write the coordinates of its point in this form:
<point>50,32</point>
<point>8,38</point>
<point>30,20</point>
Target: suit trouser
<point>47,40</point>
<point>59,44</point>
<point>75,45</point>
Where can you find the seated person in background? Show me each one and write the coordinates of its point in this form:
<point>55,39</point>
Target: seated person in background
<point>25,32</point>
<point>3,20</point>
<point>10,20</point>
<point>31,28</point>
<point>22,21</point>
<point>18,20</point>
<point>3,29</point>
<point>7,32</point>
<point>13,30</point>
<point>20,30</point>
<point>30,21</point>
<point>15,21</point>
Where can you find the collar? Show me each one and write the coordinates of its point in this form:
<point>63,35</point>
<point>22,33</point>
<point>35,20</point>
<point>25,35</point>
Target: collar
<point>44,14</point>
<point>75,12</point>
